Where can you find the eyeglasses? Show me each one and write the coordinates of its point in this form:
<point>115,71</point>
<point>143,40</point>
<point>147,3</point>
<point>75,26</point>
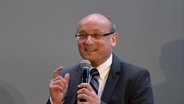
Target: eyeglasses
<point>94,36</point>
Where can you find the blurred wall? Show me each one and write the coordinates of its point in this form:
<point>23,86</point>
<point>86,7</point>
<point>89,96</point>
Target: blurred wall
<point>37,36</point>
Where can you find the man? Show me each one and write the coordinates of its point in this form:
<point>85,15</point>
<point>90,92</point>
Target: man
<point>119,82</point>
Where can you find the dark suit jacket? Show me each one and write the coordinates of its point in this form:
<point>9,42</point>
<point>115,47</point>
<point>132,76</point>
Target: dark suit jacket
<point>126,84</point>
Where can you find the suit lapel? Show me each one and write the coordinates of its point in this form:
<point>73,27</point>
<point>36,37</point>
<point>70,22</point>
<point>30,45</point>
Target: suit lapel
<point>112,80</point>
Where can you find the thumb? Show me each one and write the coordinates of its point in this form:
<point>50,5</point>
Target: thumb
<point>67,78</point>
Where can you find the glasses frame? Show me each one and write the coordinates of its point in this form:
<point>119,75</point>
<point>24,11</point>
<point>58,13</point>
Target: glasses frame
<point>106,34</point>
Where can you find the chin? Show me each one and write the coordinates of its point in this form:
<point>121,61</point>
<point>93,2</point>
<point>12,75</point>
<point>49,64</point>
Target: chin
<point>87,57</point>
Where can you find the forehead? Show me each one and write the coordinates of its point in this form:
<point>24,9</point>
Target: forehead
<point>94,22</point>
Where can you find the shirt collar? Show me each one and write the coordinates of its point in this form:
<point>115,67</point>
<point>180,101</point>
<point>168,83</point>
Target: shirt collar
<point>105,67</point>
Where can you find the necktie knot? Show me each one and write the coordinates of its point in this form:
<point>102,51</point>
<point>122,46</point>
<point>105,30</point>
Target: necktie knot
<point>94,72</point>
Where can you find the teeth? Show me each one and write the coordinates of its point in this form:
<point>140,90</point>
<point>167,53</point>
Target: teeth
<point>89,50</point>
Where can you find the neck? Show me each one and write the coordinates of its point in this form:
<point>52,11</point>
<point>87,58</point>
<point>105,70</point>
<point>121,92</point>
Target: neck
<point>97,63</point>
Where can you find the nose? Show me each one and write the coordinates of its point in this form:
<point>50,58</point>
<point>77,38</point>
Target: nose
<point>89,39</point>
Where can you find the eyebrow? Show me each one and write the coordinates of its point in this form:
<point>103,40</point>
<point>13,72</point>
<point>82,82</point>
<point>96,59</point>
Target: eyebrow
<point>96,31</point>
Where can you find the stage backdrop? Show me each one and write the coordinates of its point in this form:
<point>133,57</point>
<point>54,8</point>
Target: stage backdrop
<point>37,36</point>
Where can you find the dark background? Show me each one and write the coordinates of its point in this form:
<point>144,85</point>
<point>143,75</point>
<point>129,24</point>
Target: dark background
<point>37,36</point>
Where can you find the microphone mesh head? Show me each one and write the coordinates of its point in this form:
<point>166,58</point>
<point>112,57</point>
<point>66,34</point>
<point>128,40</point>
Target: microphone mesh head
<point>85,64</point>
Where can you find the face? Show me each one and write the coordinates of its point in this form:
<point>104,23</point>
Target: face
<point>98,50</point>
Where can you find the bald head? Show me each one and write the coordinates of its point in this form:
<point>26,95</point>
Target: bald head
<point>97,18</point>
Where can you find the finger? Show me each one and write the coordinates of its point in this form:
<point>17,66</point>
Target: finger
<point>57,82</point>
<point>84,91</point>
<point>56,72</point>
<point>56,87</point>
<point>85,85</point>
<point>82,96</point>
<point>67,78</point>
<point>58,78</point>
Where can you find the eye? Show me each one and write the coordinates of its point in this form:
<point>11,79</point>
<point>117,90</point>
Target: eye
<point>96,35</point>
<point>82,35</point>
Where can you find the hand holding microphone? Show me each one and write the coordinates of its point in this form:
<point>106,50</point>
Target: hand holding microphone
<point>85,66</point>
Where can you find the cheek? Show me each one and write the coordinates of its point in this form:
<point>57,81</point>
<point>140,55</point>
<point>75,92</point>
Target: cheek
<point>80,44</point>
<point>106,47</point>
<point>103,48</point>
<point>80,47</point>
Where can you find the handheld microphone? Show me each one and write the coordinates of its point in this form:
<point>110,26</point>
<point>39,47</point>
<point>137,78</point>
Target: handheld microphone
<point>85,66</point>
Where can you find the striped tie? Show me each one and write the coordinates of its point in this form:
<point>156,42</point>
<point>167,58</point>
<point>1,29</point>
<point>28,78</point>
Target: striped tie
<point>94,79</point>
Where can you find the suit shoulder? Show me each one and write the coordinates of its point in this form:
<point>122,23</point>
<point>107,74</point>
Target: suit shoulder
<point>129,68</point>
<point>70,69</point>
<point>126,67</point>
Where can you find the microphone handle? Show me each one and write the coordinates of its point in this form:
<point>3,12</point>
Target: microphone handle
<point>85,77</point>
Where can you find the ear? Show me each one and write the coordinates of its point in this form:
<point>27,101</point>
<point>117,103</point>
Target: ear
<point>114,39</point>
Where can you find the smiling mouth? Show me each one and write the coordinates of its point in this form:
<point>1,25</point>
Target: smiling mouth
<point>89,50</point>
